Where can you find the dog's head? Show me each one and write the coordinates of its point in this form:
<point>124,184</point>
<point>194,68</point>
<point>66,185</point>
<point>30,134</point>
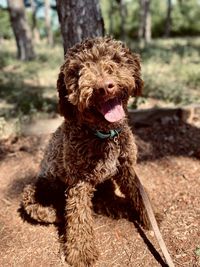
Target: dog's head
<point>96,80</point>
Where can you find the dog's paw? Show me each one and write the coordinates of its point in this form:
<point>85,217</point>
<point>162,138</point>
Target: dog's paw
<point>146,224</point>
<point>83,256</point>
<point>28,196</point>
<point>36,211</point>
<point>159,218</point>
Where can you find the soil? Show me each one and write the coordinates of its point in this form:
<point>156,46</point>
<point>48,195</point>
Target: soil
<point>169,167</point>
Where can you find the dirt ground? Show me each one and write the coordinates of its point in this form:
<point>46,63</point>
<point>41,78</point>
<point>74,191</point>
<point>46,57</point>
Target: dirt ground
<point>169,166</point>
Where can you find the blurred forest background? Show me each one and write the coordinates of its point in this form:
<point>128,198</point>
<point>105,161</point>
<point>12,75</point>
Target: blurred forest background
<point>165,33</point>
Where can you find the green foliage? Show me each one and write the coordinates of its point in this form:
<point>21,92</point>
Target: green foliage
<point>111,15</point>
<point>24,99</point>
<point>132,20</point>
<point>171,70</point>
<point>185,17</point>
<point>158,17</point>
<point>6,58</point>
<point>28,88</point>
<point>5,27</point>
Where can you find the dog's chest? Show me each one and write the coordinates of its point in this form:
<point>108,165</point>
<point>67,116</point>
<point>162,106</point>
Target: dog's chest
<point>94,159</point>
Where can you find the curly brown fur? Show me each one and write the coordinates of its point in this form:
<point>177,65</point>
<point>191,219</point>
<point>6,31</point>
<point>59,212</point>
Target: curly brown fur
<point>97,74</point>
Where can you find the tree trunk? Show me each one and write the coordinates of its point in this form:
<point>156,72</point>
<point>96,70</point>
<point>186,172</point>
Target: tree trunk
<point>34,29</point>
<point>21,30</point>
<point>141,20</point>
<point>168,19</point>
<point>110,15</point>
<point>147,35</point>
<point>48,22</point>
<point>145,21</point>
<point>79,20</point>
<point>123,15</point>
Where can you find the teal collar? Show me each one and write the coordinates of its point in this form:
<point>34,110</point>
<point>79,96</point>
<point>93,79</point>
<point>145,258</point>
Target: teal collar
<point>107,135</point>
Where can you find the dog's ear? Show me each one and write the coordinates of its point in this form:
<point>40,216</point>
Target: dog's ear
<point>139,84</point>
<point>135,66</point>
<point>65,108</point>
<point>138,88</point>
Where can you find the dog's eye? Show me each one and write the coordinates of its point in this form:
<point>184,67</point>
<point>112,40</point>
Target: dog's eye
<point>110,70</point>
<point>129,61</point>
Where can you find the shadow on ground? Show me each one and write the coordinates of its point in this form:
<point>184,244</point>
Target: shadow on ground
<point>166,52</point>
<point>174,138</point>
<point>105,202</point>
<point>158,141</point>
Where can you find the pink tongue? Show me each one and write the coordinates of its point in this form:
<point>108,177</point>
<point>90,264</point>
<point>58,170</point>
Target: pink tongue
<point>112,110</point>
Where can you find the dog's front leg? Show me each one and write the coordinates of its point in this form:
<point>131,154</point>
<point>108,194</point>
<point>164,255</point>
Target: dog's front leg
<point>126,179</point>
<point>80,245</point>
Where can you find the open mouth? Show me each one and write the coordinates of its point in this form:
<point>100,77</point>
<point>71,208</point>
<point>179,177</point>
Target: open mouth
<point>112,110</point>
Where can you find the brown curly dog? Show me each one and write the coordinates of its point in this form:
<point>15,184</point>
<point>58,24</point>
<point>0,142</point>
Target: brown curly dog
<point>93,144</point>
